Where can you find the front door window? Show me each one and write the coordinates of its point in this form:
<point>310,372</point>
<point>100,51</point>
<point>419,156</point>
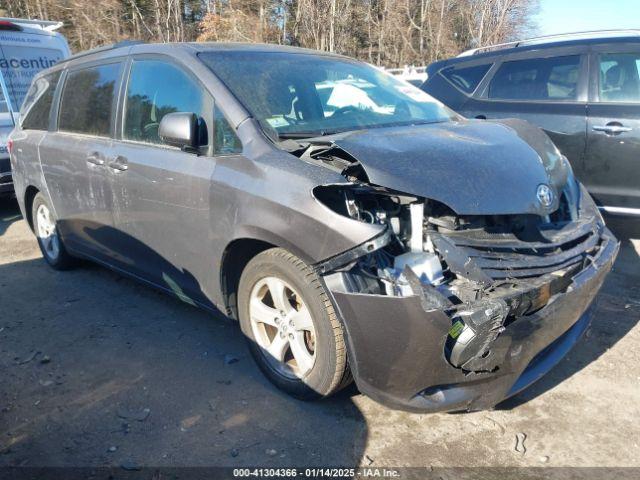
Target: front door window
<point>155,89</point>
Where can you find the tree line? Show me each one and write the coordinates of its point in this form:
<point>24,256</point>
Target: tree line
<point>382,32</point>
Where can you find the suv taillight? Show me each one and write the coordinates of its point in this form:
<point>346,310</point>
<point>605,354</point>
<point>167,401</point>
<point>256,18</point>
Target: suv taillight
<point>6,25</point>
<point>9,145</point>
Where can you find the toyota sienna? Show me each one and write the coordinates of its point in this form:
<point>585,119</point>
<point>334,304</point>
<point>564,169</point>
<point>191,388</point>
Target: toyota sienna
<point>353,225</point>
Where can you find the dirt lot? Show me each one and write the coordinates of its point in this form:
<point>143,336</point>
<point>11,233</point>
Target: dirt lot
<point>98,370</point>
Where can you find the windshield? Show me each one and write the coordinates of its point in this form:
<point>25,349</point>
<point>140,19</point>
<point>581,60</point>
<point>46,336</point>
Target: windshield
<point>303,95</point>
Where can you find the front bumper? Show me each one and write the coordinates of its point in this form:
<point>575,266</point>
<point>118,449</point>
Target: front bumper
<point>397,347</point>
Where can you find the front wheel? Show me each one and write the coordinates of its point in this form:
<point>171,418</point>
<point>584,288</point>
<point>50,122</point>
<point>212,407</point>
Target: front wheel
<point>291,326</point>
<point>46,230</point>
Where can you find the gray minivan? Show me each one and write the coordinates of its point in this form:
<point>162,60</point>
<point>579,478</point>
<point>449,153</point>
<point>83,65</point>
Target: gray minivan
<point>442,263</point>
<point>26,48</point>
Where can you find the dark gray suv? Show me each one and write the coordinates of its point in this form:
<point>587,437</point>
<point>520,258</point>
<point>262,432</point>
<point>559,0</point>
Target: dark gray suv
<point>354,226</point>
<point>582,89</point>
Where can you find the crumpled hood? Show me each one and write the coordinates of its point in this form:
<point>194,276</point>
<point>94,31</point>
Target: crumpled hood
<point>476,167</point>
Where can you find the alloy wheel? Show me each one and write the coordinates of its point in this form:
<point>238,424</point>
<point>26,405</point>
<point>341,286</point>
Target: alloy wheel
<point>283,328</point>
<point>47,233</point>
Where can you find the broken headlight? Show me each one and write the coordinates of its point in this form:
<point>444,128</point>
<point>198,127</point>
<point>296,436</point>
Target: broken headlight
<point>474,330</point>
<point>408,255</point>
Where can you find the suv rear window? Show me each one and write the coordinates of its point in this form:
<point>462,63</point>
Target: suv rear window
<point>87,100</point>
<point>537,79</point>
<point>35,110</point>
<point>466,79</point>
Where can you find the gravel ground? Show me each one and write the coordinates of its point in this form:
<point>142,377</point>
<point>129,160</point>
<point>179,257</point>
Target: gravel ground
<point>98,370</point>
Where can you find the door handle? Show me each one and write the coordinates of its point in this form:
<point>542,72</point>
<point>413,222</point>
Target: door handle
<point>612,128</point>
<point>119,164</point>
<point>95,159</point>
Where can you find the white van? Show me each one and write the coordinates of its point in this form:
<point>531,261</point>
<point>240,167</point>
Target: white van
<point>26,47</point>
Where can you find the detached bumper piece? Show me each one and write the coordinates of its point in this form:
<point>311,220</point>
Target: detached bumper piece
<point>413,354</point>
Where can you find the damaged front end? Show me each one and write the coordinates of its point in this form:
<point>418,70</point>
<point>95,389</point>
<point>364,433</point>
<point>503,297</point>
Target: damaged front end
<point>446,311</point>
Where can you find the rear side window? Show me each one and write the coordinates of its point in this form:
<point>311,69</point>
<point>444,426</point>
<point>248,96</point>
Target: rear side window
<point>537,79</point>
<point>466,79</point>
<point>36,108</point>
<point>620,77</point>
<point>87,100</point>
<point>155,89</point>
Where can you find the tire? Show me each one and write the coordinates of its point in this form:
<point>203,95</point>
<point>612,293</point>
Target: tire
<point>46,230</point>
<point>315,330</point>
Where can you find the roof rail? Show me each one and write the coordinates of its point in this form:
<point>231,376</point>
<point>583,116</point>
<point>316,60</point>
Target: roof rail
<point>552,38</point>
<point>47,25</point>
<point>406,70</point>
<point>104,48</point>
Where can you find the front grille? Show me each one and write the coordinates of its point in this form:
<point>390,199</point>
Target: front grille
<point>504,256</point>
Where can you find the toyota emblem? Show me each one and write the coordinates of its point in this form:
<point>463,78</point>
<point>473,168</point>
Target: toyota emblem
<point>545,195</point>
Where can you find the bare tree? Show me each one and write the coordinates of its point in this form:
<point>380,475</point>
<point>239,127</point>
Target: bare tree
<point>384,32</point>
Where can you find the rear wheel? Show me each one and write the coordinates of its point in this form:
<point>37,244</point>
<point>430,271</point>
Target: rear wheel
<point>45,226</point>
<point>292,329</point>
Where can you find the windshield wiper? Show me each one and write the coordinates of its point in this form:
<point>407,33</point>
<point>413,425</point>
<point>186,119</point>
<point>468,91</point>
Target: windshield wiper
<point>297,135</point>
<point>322,133</point>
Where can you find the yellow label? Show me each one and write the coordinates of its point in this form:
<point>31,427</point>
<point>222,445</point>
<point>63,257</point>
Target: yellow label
<point>456,329</point>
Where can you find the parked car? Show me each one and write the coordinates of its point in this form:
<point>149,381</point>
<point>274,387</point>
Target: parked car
<point>26,47</point>
<point>443,263</point>
<point>409,73</point>
<point>582,89</point>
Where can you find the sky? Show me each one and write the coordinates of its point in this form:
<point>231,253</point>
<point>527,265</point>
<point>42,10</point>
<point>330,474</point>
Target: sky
<point>563,16</point>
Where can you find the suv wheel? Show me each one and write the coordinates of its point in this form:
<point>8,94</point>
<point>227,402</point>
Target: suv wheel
<point>49,240</point>
<point>291,327</point>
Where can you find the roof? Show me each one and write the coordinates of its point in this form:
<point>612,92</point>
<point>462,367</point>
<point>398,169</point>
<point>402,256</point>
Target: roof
<point>137,46</point>
<point>554,41</point>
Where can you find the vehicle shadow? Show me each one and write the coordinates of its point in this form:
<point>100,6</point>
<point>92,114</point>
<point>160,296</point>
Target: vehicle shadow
<point>104,371</point>
<point>9,212</point>
<point>613,318</point>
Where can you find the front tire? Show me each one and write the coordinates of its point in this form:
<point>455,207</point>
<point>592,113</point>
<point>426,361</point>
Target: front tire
<point>291,327</point>
<point>46,230</point>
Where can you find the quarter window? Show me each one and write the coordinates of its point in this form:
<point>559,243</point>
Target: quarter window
<point>87,100</point>
<point>155,89</point>
<point>537,79</point>
<point>37,104</point>
<point>466,79</point>
<point>619,78</point>
<point>226,141</point>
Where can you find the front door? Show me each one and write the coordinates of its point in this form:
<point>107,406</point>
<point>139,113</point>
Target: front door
<point>163,197</point>
<point>612,165</point>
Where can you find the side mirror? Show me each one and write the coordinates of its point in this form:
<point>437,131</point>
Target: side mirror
<point>179,129</point>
